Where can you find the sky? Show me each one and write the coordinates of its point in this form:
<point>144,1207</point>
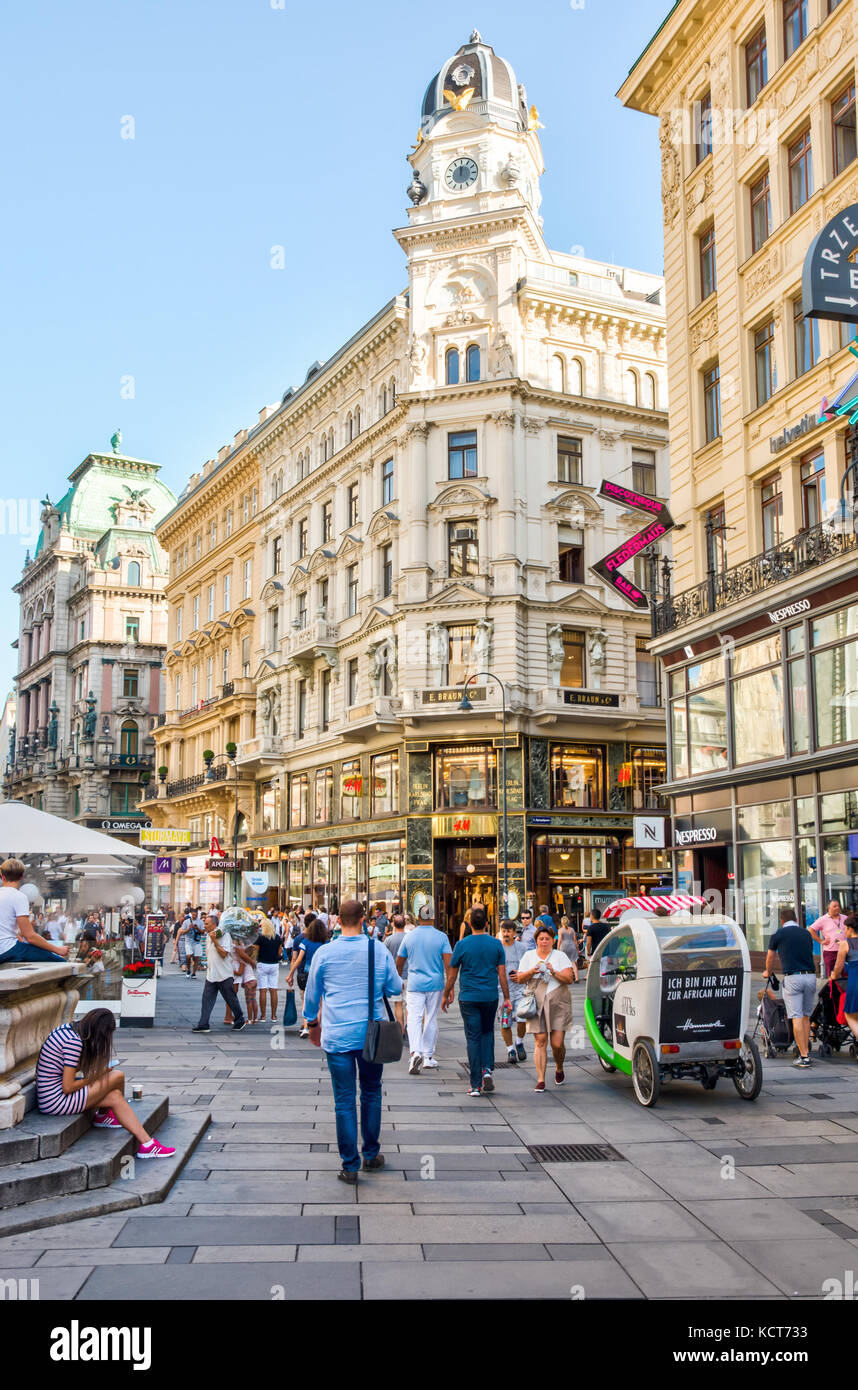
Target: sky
<point>155,154</point>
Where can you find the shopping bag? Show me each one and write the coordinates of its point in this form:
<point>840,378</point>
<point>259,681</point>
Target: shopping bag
<point>290,1013</point>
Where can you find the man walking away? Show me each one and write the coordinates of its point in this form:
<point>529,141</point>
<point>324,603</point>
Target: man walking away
<point>794,945</point>
<point>19,940</point>
<point>339,980</point>
<point>219,970</point>
<point>481,960</point>
<point>426,951</point>
<point>513,952</point>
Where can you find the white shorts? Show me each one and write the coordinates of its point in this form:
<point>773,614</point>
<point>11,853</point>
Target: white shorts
<point>267,976</point>
<point>197,949</point>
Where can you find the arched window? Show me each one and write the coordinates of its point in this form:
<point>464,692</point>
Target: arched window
<point>472,358</point>
<point>350,427</point>
<point>382,401</point>
<point>576,378</point>
<point>631,387</point>
<point>558,373</point>
<point>391,393</point>
<point>651,391</point>
<point>452,366</point>
<point>128,737</point>
<point>134,573</point>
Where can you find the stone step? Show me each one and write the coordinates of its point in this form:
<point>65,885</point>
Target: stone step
<point>151,1181</point>
<point>50,1136</point>
<point>27,1182</point>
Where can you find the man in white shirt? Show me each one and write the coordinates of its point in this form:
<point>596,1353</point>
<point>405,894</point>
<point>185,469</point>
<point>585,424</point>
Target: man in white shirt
<point>219,972</point>
<point>19,940</point>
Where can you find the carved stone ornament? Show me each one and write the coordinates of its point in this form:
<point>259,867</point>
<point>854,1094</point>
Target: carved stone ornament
<point>510,173</point>
<point>763,274</point>
<point>704,330</point>
<point>670,170</point>
<point>462,313</point>
<point>416,190</point>
<point>532,425</point>
<point>417,354</point>
<point>608,439</point>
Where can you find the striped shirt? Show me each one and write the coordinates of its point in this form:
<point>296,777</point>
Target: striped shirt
<point>61,1048</point>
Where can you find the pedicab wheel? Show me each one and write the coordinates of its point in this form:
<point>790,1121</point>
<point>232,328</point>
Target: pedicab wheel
<point>606,1066</point>
<point>645,1077</point>
<point>710,1081</point>
<point>750,1083</point>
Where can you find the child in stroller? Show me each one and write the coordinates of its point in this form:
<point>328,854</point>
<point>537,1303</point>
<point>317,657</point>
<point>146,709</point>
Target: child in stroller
<point>825,1027</point>
<point>772,1023</point>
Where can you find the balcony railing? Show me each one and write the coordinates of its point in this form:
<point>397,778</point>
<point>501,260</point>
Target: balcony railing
<point>803,552</point>
<point>190,784</point>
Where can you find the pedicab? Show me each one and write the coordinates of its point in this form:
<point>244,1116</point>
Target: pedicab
<point>669,997</point>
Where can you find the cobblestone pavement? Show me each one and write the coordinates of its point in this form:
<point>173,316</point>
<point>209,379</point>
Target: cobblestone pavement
<point>712,1197</point>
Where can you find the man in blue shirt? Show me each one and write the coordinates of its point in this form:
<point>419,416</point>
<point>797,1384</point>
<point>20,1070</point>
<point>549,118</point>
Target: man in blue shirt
<point>483,965</point>
<point>339,979</point>
<point>427,954</point>
<point>528,930</point>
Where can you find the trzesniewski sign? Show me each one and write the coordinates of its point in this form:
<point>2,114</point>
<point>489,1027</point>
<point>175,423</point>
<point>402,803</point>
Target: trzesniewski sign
<point>659,524</point>
<point>829,282</point>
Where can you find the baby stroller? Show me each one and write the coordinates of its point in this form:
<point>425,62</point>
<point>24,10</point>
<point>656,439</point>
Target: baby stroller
<point>824,1027</point>
<point>774,1027</point>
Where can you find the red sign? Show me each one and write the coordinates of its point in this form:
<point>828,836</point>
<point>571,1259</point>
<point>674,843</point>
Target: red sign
<point>462,824</point>
<point>215,849</point>
<point>609,568</point>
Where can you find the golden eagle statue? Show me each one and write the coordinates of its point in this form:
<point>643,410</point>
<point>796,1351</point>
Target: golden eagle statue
<point>459,100</point>
<point>533,121</point>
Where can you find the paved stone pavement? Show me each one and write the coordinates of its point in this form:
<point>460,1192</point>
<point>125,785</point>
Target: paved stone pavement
<point>712,1197</point>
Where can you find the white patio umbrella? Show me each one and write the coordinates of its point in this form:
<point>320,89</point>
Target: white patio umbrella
<point>26,831</point>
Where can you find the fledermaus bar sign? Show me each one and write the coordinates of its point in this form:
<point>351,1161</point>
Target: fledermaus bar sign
<point>608,569</point>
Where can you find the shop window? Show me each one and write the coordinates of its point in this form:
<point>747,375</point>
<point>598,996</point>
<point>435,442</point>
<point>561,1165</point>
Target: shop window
<point>130,682</point>
<point>577,776</point>
<point>385,872</point>
<point>647,673</point>
<point>384,784</point>
<point>351,790</point>
<point>570,464</point>
<point>771,820</point>
<point>648,770</point>
<point>758,716</point>
<point>812,472</point>
<point>299,796</point>
<point>835,678</point>
<point>572,670</point>
<point>466,777</point>
<point>324,796</point>
<point>462,455</point>
<point>463,555</point>
<point>460,646</point>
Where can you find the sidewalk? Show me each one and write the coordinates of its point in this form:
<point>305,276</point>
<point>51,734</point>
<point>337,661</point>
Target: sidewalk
<point>706,1196</point>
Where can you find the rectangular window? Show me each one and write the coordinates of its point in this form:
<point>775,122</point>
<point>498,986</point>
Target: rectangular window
<point>758,716</point>
<point>706,257</point>
<point>210,603</point>
<point>570,556</point>
<point>299,796</point>
<point>212,533</point>
<point>224,668</point>
<point>460,644</point>
<point>462,455</point>
<point>228,522</point>
<point>843,128</point>
<point>198,545</point>
<point>387,482</point>
<point>643,472</point>
<point>245,656</point>
<point>227,592</point>
<point>132,629</point>
<point>764,361</point>
<point>195,686</point>
<point>327,521</point>
<point>712,403</point>
<point>302,538</point>
<point>835,673</point>
<point>795,25</point>
<point>130,682</point>
<point>771,511</point>
<point>756,64</point>
<point>646,668</point>
<point>323,597</point>
<point>245,509</point>
<point>463,556</point>
<point>812,472</point>
<point>351,790</point>
<point>702,127</point>
<point>761,211</point>
<point>301,609</point>
<point>274,628</point>
<point>572,670</point>
<point>326,698</point>
<point>196,612</point>
<point>577,776</point>
<point>247,576</point>
<point>466,777</point>
<point>800,162</point>
<point>351,591</point>
<point>649,770</point>
<point>386,557</point>
<point>352,506</point>
<point>805,339</point>
<point>180,618</point>
<point>384,784</point>
<point>324,796</point>
<point>276,555</point>
<point>716,540</point>
<point>209,677</point>
<point>352,682</point>
<point>300,708</point>
<point>569,460</point>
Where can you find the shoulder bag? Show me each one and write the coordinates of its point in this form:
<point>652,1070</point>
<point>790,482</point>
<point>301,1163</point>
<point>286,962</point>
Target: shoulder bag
<point>383,1042</point>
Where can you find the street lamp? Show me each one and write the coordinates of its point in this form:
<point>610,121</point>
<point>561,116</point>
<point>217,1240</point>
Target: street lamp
<point>466,706</point>
<point>229,757</point>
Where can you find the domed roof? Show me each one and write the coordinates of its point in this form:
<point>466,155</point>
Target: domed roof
<point>477,69</point>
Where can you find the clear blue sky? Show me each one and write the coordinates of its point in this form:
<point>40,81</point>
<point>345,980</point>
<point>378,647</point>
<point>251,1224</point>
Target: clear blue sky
<point>255,126</point>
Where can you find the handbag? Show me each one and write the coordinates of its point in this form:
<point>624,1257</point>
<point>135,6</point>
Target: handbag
<point>383,1042</point>
<point>302,976</point>
<point>527,1006</point>
<point>290,1013</point>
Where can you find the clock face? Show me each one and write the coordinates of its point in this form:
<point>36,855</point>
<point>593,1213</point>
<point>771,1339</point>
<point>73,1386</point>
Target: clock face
<point>461,174</point>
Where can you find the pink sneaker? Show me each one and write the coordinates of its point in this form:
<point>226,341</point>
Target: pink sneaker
<point>155,1150</point>
<point>105,1119</point>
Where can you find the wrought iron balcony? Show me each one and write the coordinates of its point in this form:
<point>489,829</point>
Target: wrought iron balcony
<point>806,551</point>
<point>191,784</point>
<point>132,760</point>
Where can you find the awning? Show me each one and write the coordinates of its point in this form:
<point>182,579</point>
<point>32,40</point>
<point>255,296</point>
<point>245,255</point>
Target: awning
<point>26,831</point>
<point>674,902</point>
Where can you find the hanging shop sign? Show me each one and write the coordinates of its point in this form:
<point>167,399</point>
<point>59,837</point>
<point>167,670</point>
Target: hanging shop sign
<point>598,699</point>
<point>256,880</point>
<point>659,524</point>
<point>267,853</point>
<point>169,864</point>
<point>649,832</point>
<point>446,827</point>
<point>120,825</point>
<point>829,281</point>
<point>162,835</point>
<point>222,866</point>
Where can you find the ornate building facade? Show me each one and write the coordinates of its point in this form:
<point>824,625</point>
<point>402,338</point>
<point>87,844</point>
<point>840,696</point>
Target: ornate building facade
<point>91,643</point>
<point>756,104</point>
<point>429,512</point>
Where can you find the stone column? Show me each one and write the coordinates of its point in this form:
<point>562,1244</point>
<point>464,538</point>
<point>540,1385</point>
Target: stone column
<point>413,489</point>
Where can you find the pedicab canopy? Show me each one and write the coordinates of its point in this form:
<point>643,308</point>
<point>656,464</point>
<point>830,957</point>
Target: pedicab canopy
<point>674,902</point>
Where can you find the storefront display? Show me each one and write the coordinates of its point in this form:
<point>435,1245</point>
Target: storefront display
<point>577,776</point>
<point>466,777</point>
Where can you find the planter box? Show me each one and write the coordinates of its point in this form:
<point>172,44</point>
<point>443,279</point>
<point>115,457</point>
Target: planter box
<point>137,1006</point>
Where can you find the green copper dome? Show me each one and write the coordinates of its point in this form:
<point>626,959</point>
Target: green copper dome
<point>102,490</point>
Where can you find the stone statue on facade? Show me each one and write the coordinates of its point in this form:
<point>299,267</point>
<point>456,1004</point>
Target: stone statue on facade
<point>501,363</point>
<point>89,720</point>
<point>483,644</point>
<point>417,358</point>
<point>267,710</point>
<point>53,730</point>
<point>437,644</point>
<point>597,651</point>
<point>377,664</point>
<point>392,666</point>
<point>556,653</point>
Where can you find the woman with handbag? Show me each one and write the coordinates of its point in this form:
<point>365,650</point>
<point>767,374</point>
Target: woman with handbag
<point>546,1004</point>
<point>350,980</point>
<point>304,948</point>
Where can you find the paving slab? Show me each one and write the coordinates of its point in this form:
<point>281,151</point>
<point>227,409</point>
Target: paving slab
<point>638,1221</point>
<point>583,1182</point>
<point>222,1230</point>
<point>463,1229</point>
<point>691,1269</point>
<point>554,1279</point>
<point>250,1282</point>
<point>766,1218</point>
<point>800,1267</point>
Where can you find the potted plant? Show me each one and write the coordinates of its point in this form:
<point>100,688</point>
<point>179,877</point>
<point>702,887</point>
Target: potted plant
<point>208,755</point>
<point>139,986</point>
<point>231,750</point>
<point>162,773</point>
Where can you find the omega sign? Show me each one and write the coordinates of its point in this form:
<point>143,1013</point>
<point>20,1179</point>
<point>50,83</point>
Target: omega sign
<point>700,835</point>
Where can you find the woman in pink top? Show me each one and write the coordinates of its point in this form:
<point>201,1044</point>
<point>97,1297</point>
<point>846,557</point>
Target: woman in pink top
<point>829,930</point>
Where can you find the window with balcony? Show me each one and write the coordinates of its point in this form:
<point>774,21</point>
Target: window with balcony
<point>460,644</point>
<point>706,260</point>
<point>132,630</point>
<point>812,476</point>
<point>324,590</point>
<point>195,686</point>
<point>245,657</point>
<point>795,25</point>
<point>384,784</point>
<point>702,127</point>
<point>570,460</point>
<point>646,670</point>
<point>300,708</point>
<point>712,403</point>
<point>301,610</point>
<point>472,362</point>
<point>771,511</point>
<point>451,366</point>
<point>462,455</point>
<point>387,482</point>
<point>800,166</point>
<point>756,64</point>
<point>351,591</point>
<point>224,666</point>
<point>463,555</point>
<point>324,796</point>
<point>716,539</point>
<point>130,682</point>
<point>572,670</point>
<point>352,682</point>
<point>577,775</point>
<point>352,504</point>
<point>643,472</point>
<point>843,128</point>
<point>325,699</point>
<point>209,677</point>
<point>761,211</point>
<point>327,522</point>
<point>764,361</point>
<point>805,339</point>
